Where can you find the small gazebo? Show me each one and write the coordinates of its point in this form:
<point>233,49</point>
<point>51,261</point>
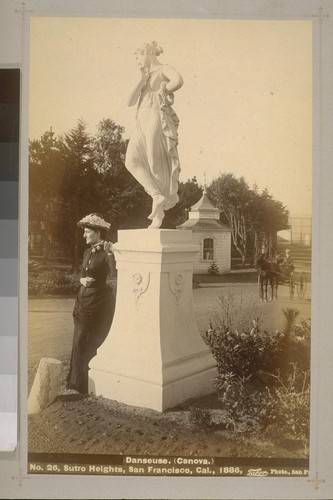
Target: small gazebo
<point>213,237</point>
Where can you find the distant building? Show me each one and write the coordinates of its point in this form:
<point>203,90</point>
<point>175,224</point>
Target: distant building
<point>300,231</point>
<point>213,237</point>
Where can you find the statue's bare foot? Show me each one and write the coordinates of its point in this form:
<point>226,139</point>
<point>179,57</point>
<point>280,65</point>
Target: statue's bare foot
<point>157,220</point>
<point>158,205</point>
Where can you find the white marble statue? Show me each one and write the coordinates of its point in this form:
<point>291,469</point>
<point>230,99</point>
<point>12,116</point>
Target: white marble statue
<point>152,156</point>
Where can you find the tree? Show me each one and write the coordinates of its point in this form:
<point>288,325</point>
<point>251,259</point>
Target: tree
<point>269,216</point>
<point>46,170</point>
<point>109,147</point>
<point>122,199</point>
<point>251,215</point>
<point>234,198</point>
<point>79,189</point>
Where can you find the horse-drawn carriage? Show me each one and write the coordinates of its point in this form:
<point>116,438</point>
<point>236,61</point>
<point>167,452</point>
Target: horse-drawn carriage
<point>272,273</point>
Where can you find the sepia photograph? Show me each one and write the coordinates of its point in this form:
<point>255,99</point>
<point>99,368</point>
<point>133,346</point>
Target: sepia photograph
<point>169,314</point>
<point>169,246</point>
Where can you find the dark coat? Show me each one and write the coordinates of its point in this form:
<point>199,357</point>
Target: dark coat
<point>93,314</point>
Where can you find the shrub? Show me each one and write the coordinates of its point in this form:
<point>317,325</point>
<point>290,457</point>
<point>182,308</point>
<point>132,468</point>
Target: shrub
<point>291,347</point>
<point>287,405</point>
<point>250,352</point>
<point>290,314</point>
<point>280,406</point>
<point>245,411</point>
<point>247,353</point>
<point>263,377</point>
<point>233,311</point>
<point>53,283</point>
<point>213,269</point>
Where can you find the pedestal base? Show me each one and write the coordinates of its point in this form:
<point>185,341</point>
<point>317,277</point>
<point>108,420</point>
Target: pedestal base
<point>153,356</point>
<point>136,392</point>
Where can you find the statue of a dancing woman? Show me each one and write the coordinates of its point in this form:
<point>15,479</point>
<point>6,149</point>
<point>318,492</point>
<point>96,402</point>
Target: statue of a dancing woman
<point>152,156</point>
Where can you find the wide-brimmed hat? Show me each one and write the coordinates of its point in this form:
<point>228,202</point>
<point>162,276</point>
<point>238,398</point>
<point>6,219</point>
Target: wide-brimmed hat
<point>94,221</point>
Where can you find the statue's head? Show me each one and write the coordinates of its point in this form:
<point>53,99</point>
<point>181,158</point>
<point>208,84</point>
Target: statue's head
<point>152,49</point>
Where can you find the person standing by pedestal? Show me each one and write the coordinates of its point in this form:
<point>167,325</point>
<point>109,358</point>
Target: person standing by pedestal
<point>152,156</point>
<point>94,304</point>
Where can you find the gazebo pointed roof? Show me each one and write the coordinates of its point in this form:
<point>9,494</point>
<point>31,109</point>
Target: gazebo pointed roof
<point>204,216</point>
<point>204,204</point>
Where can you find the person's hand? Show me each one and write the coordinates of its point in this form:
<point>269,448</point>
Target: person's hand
<point>108,247</point>
<point>87,281</point>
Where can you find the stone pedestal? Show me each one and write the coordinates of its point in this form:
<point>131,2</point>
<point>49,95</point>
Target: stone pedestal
<point>153,356</point>
<point>46,384</point>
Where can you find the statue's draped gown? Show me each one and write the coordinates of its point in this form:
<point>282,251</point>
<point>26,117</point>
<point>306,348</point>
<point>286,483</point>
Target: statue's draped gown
<point>153,144</point>
<point>92,314</point>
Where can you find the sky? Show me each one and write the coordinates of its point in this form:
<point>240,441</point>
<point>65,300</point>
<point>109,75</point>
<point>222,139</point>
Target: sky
<point>245,106</point>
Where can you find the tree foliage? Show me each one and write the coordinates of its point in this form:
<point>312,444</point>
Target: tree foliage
<point>46,172</point>
<point>121,198</point>
<point>79,190</point>
<point>269,217</point>
<point>251,215</point>
<point>234,197</point>
<point>77,173</point>
<point>109,147</point>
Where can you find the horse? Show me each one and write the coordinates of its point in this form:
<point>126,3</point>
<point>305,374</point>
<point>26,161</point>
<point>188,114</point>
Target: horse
<point>267,276</point>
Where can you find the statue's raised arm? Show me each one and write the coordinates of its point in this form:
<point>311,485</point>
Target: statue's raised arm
<point>152,155</point>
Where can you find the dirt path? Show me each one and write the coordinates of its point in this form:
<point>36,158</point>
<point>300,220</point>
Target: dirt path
<point>93,425</point>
